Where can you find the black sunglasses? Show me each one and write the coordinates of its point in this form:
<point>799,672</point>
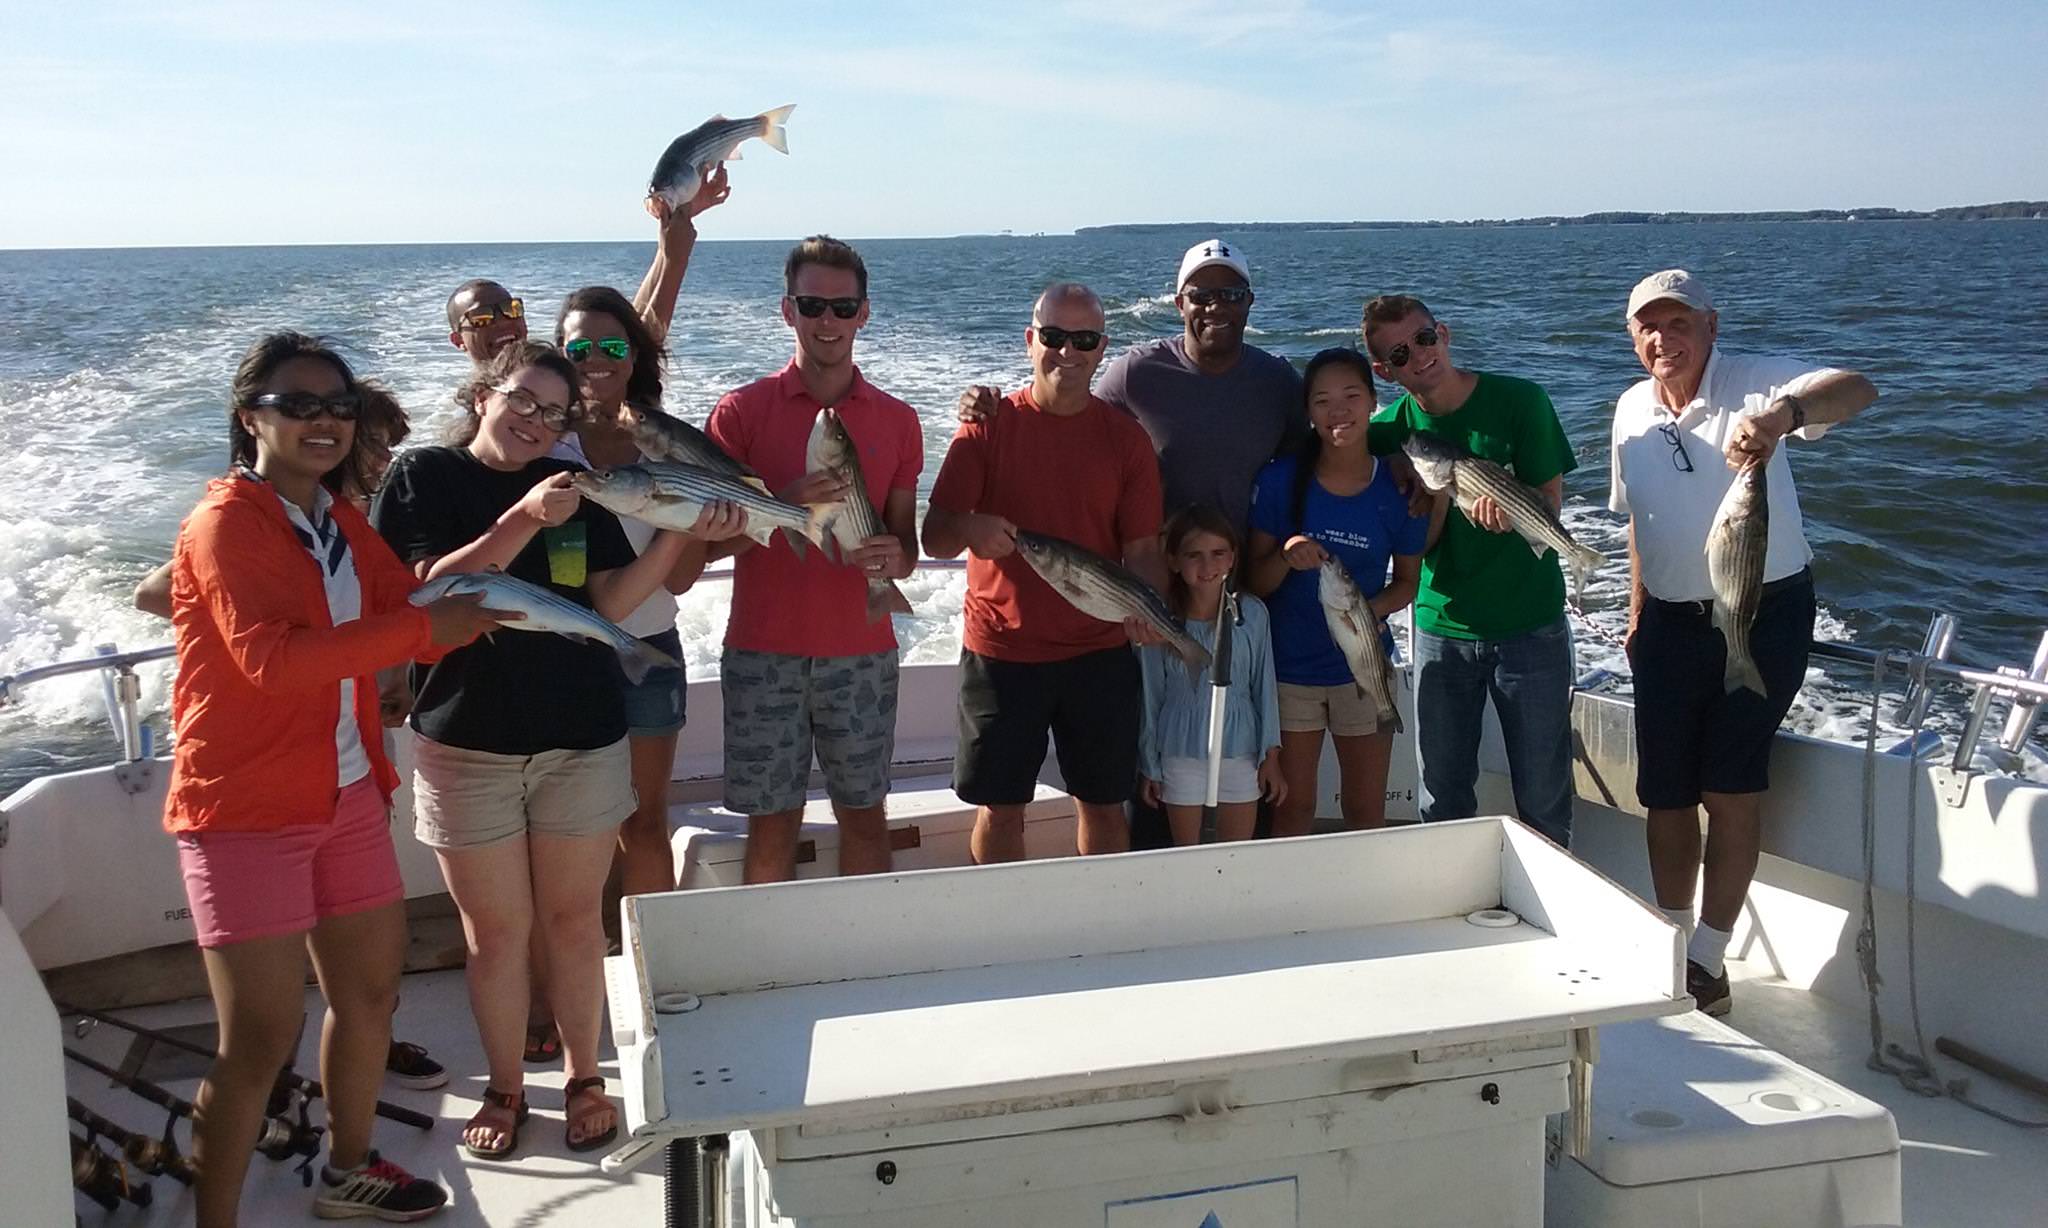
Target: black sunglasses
<point>1083,339</point>
<point>810,306</point>
<point>1398,356</point>
<point>1676,438</point>
<point>305,406</point>
<point>526,405</point>
<point>1230,295</point>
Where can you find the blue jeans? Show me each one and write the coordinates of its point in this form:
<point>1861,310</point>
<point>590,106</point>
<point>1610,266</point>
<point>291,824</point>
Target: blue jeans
<point>1530,679</point>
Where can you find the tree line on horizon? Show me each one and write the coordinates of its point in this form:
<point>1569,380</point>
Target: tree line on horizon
<point>2001,211</point>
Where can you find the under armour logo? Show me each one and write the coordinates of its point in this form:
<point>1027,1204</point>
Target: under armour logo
<point>1216,249</point>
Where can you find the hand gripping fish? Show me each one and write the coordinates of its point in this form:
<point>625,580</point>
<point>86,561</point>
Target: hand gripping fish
<point>668,495</point>
<point>1357,634</point>
<point>1442,465</point>
<point>1102,589</point>
<point>855,518</point>
<point>690,157</point>
<point>547,610</point>
<point>1736,546</point>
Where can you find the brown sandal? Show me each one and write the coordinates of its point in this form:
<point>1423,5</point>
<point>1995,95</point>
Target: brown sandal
<point>569,1093</point>
<point>514,1102</point>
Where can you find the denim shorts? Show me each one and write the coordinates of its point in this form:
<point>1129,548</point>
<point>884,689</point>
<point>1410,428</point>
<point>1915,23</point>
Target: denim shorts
<point>655,706</point>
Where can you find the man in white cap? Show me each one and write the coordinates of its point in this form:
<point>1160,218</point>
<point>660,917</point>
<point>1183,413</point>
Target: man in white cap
<point>1680,437</point>
<point>1217,409</point>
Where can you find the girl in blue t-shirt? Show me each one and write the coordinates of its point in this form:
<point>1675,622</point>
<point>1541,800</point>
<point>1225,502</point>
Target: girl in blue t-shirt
<point>1332,500</point>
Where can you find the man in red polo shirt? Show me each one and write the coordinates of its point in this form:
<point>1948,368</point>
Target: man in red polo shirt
<point>1058,461</point>
<point>804,669</point>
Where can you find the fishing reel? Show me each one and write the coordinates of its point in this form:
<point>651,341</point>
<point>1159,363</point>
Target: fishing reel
<point>103,1178</point>
<point>282,1138</point>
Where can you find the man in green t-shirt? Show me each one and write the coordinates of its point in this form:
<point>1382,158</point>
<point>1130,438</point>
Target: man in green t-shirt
<point>1490,615</point>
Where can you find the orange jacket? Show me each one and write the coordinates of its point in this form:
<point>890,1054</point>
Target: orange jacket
<point>260,662</point>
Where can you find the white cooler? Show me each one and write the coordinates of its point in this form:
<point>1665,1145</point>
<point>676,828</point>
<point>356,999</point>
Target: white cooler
<point>1358,1028</point>
<point>1697,1126</point>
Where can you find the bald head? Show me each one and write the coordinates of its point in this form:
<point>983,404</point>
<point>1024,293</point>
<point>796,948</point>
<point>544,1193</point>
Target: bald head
<point>1062,298</point>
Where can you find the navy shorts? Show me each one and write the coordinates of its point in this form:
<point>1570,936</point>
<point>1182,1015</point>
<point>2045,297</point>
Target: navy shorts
<point>655,704</point>
<point>1692,736</point>
<point>1091,705</point>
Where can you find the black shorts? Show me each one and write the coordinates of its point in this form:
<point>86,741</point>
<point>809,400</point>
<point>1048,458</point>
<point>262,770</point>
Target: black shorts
<point>1091,704</point>
<point>1692,736</point>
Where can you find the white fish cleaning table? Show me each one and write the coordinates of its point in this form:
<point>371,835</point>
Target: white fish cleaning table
<point>1308,1031</point>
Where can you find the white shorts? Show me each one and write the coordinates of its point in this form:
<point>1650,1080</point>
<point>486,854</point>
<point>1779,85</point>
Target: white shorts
<point>1187,782</point>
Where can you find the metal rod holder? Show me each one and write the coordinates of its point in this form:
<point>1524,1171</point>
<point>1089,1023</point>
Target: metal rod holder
<point>2019,724</point>
<point>1940,638</point>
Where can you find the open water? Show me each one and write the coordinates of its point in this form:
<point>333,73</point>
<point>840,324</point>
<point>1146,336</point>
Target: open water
<point>114,367</point>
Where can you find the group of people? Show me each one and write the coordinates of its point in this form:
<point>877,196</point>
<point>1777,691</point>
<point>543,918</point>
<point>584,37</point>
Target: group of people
<point>1199,462</point>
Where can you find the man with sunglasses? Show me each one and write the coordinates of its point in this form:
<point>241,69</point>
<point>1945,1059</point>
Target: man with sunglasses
<point>483,318</point>
<point>805,671</point>
<point>1054,459</point>
<point>1679,438</point>
<point>1489,617</point>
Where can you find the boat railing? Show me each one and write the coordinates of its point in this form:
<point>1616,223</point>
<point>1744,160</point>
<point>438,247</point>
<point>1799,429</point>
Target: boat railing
<point>1916,672</point>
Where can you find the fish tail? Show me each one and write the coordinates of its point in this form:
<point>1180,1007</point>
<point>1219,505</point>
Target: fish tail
<point>756,483</point>
<point>884,599</point>
<point>637,658</point>
<point>1741,672</point>
<point>818,526</point>
<point>771,128</point>
<point>1193,655</point>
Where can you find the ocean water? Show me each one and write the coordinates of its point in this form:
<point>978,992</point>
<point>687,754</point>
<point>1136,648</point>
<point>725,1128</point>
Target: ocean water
<point>114,367</point>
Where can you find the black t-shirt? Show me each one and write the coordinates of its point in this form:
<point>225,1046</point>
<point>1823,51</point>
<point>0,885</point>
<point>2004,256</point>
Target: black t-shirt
<point>515,692</point>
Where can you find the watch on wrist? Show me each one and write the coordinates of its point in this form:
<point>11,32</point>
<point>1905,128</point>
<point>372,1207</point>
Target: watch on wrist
<point>1798,412</point>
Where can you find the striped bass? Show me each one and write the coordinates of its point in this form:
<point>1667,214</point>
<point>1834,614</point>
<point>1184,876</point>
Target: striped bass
<point>690,157</point>
<point>663,437</point>
<point>547,610</point>
<point>854,519</point>
<point>671,496</point>
<point>1105,590</point>
<point>1357,633</point>
<point>1443,465</point>
<point>1736,545</point>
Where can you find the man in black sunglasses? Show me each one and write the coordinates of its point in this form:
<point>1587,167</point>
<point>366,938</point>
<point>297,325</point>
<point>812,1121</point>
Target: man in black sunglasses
<point>1489,618</point>
<point>483,318</point>
<point>1700,740</point>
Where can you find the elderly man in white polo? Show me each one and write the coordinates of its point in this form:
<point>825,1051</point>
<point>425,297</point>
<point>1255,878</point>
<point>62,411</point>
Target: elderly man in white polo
<point>1680,437</point>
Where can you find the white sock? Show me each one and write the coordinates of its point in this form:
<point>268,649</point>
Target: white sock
<point>1709,948</point>
<point>1682,918</point>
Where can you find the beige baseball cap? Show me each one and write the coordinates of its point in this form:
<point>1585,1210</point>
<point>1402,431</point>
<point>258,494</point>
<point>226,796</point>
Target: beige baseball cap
<point>1675,284</point>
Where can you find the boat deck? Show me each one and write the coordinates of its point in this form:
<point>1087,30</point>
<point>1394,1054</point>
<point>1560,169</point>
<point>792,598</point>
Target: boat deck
<point>1960,1167</point>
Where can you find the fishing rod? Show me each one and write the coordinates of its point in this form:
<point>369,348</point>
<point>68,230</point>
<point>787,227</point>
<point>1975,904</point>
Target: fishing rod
<point>287,1078</point>
<point>153,1157</point>
<point>104,1179</point>
<point>280,1140</point>
<point>1228,616</point>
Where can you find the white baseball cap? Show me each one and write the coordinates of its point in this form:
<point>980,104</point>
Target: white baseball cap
<point>1211,252</point>
<point>1675,284</point>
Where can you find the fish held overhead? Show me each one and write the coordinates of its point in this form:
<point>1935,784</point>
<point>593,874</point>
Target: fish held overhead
<point>1442,465</point>
<point>690,157</point>
<point>854,519</point>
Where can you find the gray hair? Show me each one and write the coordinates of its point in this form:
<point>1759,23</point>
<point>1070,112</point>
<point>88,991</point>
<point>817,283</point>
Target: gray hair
<point>1060,291</point>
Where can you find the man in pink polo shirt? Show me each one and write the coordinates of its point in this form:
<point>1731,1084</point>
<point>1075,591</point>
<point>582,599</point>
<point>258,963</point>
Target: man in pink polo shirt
<point>804,669</point>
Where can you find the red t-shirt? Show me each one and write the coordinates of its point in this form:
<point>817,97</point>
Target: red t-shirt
<point>1090,478</point>
<point>810,607</point>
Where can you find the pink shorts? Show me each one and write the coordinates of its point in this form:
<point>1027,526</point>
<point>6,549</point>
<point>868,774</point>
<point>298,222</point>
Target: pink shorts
<point>259,884</point>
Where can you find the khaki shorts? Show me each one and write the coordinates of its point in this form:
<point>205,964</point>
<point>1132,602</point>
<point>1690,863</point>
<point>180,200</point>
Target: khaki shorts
<point>466,798</point>
<point>1339,709</point>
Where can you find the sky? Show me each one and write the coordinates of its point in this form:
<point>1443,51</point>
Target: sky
<point>129,123</point>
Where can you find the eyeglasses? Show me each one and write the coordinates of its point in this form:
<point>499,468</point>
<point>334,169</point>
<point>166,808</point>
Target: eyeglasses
<point>1230,295</point>
<point>510,309</point>
<point>1398,356</point>
<point>1052,338</point>
<point>810,306</point>
<point>615,348</point>
<point>526,405</point>
<point>1676,438</point>
<point>305,406</point>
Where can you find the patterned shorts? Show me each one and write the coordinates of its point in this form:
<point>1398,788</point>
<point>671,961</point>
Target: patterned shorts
<point>779,709</point>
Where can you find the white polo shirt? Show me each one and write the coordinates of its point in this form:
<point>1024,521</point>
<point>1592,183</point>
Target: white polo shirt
<point>658,613</point>
<point>322,538</point>
<point>1672,509</point>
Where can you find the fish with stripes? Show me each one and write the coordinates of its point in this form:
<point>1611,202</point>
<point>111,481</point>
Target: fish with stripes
<point>683,166</point>
<point>668,495</point>
<point>1357,633</point>
<point>854,519</point>
<point>1443,465</point>
<point>543,609</point>
<point>1736,545</point>
<point>665,437</point>
<point>1108,591</point>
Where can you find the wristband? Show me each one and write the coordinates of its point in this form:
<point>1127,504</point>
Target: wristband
<point>1798,412</point>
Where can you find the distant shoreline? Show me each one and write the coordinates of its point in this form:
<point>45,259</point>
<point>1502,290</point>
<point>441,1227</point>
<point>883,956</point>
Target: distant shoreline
<point>2011,210</point>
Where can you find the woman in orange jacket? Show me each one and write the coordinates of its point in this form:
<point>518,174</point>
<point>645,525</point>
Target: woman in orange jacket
<point>285,605</point>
